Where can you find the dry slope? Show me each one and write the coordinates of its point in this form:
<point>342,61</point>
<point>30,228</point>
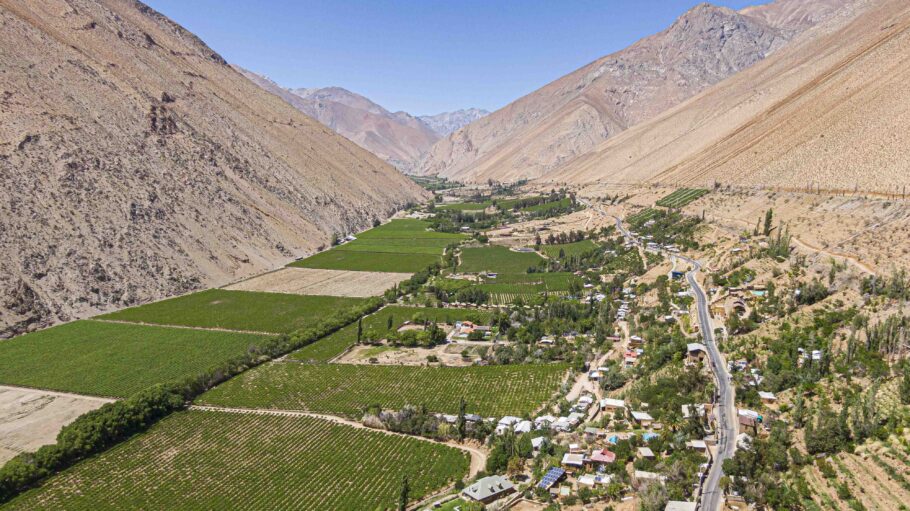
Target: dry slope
<point>135,164</point>
<point>541,131</point>
<point>829,112</point>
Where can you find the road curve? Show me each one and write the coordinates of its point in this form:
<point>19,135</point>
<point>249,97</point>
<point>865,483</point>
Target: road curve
<point>725,405</point>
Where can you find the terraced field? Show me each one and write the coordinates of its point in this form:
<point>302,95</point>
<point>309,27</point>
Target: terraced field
<point>497,259</point>
<point>375,326</point>
<point>682,197</point>
<point>237,310</point>
<point>218,460</point>
<point>117,360</point>
<point>347,389</point>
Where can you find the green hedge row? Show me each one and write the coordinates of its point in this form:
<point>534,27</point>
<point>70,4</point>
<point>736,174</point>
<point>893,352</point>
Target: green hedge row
<point>112,423</point>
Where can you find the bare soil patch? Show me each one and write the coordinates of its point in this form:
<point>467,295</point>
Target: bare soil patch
<point>447,354</point>
<point>309,281</point>
<point>31,418</point>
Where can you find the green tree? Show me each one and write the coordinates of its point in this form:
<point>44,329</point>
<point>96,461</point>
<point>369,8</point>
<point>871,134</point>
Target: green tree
<point>769,219</point>
<point>359,329</point>
<point>905,385</point>
<point>405,491</point>
<point>460,425</point>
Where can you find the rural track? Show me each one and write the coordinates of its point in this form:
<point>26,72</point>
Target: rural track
<point>478,456</point>
<point>184,327</point>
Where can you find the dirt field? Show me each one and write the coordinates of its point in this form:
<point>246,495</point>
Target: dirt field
<point>308,281</point>
<point>32,418</point>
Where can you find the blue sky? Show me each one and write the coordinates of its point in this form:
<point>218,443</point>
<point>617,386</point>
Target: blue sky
<point>426,56</point>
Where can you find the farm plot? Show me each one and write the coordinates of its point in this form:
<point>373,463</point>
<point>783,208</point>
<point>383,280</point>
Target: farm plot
<point>466,206</point>
<point>549,207</point>
<point>344,389</point>
<point>507,288</point>
<point>569,249</point>
<point>308,281</point>
<point>219,460</point>
<point>31,418</point>
<point>681,197</point>
<point>641,217</point>
<point>237,310</point>
<point>497,259</point>
<point>375,326</point>
<point>114,359</point>
<point>398,246</point>
<point>368,261</point>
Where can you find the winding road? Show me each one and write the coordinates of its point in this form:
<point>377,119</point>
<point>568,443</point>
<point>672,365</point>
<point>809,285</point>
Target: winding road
<point>725,403</point>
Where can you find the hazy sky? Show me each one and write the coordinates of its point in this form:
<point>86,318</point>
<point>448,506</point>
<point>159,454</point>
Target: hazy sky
<point>423,56</point>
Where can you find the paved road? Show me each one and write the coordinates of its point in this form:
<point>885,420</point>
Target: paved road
<point>725,409</point>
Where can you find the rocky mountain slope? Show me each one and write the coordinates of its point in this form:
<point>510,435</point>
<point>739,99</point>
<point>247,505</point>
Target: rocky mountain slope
<point>829,112</point>
<point>136,164</point>
<point>398,138</point>
<point>447,123</point>
<point>543,130</point>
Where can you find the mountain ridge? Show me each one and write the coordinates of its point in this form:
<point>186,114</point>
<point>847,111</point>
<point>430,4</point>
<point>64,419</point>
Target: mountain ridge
<point>137,165</point>
<point>543,130</point>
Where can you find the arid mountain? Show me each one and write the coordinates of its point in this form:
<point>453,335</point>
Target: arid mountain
<point>398,138</point>
<point>135,163</point>
<point>829,112</point>
<point>543,130</point>
<point>448,122</point>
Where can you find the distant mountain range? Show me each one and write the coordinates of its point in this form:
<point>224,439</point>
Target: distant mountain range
<point>543,131</point>
<point>397,137</point>
<point>448,122</point>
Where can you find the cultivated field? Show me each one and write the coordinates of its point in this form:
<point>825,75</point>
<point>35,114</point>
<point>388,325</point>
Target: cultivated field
<point>497,259</point>
<point>569,249</point>
<point>219,460</point>
<point>375,327</point>
<point>682,197</point>
<point>368,261</point>
<point>509,287</point>
<point>237,310</point>
<point>344,389</point>
<point>114,359</point>
<point>307,281</point>
<point>466,206</point>
<point>31,418</point>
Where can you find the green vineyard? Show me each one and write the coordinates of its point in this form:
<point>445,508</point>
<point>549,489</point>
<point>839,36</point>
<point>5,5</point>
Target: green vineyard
<point>218,460</point>
<point>110,359</point>
<point>682,197</point>
<point>345,389</point>
<point>237,310</point>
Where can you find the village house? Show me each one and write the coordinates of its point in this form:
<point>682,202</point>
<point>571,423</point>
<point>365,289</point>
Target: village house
<point>602,456</point>
<point>641,476</point>
<point>489,489</point>
<point>767,398</point>
<point>681,505</point>
<point>610,405</point>
<point>643,419</point>
<point>645,453</point>
<point>696,351</point>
